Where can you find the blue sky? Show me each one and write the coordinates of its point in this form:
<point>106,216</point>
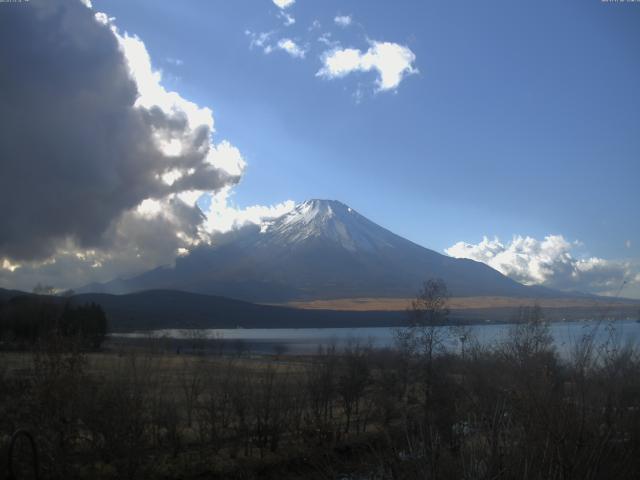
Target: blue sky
<point>524,118</point>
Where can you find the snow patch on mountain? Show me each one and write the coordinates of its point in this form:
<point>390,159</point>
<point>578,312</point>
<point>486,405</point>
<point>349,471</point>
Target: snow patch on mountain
<point>329,221</point>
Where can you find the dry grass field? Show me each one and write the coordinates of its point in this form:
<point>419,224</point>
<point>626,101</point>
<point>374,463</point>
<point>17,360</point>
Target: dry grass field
<point>458,303</point>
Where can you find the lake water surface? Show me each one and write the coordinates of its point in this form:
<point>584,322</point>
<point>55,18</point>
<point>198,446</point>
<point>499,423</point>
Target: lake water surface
<point>308,340</point>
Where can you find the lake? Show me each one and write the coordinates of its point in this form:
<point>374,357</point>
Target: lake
<point>308,340</point>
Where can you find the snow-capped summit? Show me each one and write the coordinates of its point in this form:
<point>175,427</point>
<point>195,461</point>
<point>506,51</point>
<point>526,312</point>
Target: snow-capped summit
<point>328,220</point>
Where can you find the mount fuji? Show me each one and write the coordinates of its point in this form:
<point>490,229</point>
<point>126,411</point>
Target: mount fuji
<point>322,249</point>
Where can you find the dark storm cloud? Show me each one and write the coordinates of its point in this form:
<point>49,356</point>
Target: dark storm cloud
<point>75,151</point>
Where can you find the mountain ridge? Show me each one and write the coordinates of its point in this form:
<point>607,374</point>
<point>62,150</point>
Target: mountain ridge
<point>322,249</point>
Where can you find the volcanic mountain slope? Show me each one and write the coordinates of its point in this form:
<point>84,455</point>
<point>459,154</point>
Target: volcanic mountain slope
<point>322,249</point>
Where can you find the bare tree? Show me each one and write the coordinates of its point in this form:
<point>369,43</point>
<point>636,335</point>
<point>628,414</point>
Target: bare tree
<point>529,337</point>
<point>192,384</point>
<point>353,382</point>
<point>216,409</point>
<point>427,313</point>
<point>424,335</point>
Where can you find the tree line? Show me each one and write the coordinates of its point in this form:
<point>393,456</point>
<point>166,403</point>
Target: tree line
<point>29,319</point>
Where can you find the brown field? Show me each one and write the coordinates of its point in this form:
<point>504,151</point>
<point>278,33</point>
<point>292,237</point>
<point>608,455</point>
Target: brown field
<point>456,303</point>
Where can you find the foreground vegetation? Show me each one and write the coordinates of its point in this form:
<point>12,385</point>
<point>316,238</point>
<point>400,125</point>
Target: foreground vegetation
<point>511,411</point>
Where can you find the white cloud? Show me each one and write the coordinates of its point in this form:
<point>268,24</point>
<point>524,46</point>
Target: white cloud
<point>102,17</point>
<point>291,47</point>
<point>343,20</point>
<point>151,93</point>
<point>222,216</point>
<point>263,41</point>
<point>174,61</point>
<point>391,61</point>
<point>227,157</point>
<point>550,262</point>
<point>260,40</point>
<point>7,265</point>
<point>326,38</point>
<point>284,3</point>
<point>287,19</point>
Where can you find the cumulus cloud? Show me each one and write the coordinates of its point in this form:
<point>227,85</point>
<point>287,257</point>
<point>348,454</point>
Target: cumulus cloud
<point>228,158</point>
<point>343,20</point>
<point>102,167</point>
<point>391,61</point>
<point>143,238</point>
<point>284,3</point>
<point>222,216</point>
<point>550,262</point>
<point>88,132</point>
<point>291,47</point>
